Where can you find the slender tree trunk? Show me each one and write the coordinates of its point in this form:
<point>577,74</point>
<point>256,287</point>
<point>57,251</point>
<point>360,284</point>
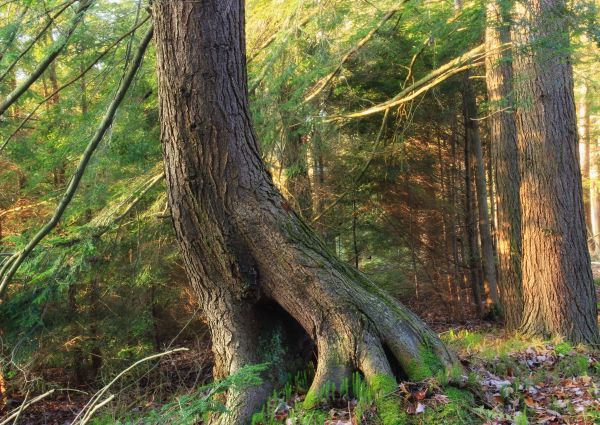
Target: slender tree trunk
<point>317,183</point>
<point>583,111</point>
<point>474,139</point>
<point>459,276</point>
<point>595,196</point>
<point>589,166</point>
<point>490,170</point>
<point>503,134</point>
<point>471,231</point>
<point>77,360</point>
<point>354,236</point>
<point>297,183</point>
<point>447,232</point>
<point>558,290</point>
<point>242,247</point>
<point>95,352</point>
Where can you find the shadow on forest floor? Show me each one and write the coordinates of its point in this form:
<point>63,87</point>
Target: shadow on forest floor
<point>509,379</point>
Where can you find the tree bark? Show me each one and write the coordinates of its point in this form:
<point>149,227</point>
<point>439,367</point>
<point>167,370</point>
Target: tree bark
<point>595,196</point>
<point>503,133</point>
<point>583,111</point>
<point>558,290</point>
<point>242,246</point>
<point>473,257</point>
<point>473,138</point>
<point>590,174</point>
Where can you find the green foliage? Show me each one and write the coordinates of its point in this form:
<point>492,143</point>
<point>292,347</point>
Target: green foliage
<point>189,409</point>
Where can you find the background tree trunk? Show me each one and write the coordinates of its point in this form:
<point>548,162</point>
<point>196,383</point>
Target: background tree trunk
<point>503,134</point>
<point>473,257</point>
<point>473,138</point>
<point>243,247</point>
<point>559,293</point>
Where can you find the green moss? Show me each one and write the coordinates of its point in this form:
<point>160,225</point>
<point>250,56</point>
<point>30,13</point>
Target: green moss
<point>389,407</point>
<point>383,384</point>
<point>427,366</point>
<point>456,395</point>
<point>454,412</point>
<point>311,400</point>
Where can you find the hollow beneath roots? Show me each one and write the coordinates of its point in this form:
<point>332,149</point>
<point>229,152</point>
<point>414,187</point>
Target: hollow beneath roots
<point>382,355</point>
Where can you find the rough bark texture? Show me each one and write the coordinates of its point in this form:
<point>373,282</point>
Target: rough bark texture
<point>242,246</point>
<point>503,134</point>
<point>558,289</point>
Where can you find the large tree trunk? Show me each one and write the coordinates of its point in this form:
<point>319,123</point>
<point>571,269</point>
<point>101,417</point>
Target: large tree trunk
<point>503,133</point>
<point>558,289</point>
<point>242,246</point>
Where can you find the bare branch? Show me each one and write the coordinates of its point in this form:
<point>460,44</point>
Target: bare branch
<point>435,77</point>
<point>85,414</point>
<point>24,406</point>
<point>326,80</point>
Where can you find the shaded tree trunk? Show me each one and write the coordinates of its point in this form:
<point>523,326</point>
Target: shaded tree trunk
<point>503,133</point>
<point>473,138</point>
<point>242,247</point>
<point>297,182</point>
<point>558,290</point>
<point>472,251</point>
<point>77,366</point>
<point>96,359</point>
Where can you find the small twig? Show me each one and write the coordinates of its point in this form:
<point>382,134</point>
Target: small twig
<point>24,406</point>
<point>89,408</point>
<point>21,408</point>
<point>96,408</point>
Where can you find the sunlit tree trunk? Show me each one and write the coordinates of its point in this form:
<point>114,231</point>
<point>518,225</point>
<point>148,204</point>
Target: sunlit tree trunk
<point>594,179</point>
<point>243,248</point>
<point>503,134</point>
<point>558,290</point>
<point>589,159</point>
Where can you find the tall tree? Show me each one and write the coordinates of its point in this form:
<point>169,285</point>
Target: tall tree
<point>503,134</point>
<point>558,290</point>
<point>242,245</point>
<point>583,110</point>
<point>473,138</point>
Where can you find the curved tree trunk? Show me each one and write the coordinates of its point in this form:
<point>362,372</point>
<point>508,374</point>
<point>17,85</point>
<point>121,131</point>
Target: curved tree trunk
<point>242,245</point>
<point>503,133</point>
<point>558,290</point>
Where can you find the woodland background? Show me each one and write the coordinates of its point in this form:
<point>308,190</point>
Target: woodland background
<point>392,193</point>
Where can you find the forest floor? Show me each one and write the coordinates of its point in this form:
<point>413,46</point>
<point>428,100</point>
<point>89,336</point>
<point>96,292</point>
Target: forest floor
<point>507,379</point>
